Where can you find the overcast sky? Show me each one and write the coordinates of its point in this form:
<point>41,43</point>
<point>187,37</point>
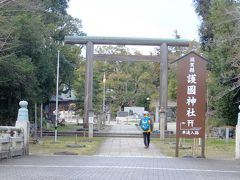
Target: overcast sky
<point>136,18</point>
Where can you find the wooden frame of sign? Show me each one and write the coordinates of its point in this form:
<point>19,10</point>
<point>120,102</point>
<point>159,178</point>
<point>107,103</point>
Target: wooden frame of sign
<point>191,99</point>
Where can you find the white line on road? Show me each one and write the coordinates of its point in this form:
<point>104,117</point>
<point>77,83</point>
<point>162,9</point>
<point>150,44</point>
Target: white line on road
<point>134,156</point>
<point>121,167</point>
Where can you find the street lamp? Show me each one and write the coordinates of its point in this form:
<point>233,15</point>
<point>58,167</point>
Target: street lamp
<point>147,103</point>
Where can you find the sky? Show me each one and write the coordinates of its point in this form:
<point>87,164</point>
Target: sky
<point>136,18</point>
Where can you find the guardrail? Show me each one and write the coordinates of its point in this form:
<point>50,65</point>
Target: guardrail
<point>11,141</point>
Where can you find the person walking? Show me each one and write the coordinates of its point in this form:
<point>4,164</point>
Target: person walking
<point>146,125</point>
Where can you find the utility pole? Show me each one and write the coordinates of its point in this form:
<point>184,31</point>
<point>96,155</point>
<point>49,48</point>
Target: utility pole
<point>35,121</point>
<point>56,119</point>
<point>41,120</point>
<point>104,92</point>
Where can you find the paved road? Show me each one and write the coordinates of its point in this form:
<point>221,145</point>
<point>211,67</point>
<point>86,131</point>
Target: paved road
<point>124,127</point>
<point>117,168</point>
<point>118,159</point>
<point>127,146</point>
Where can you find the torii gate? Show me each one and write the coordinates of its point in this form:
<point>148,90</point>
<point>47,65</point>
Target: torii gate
<point>90,41</point>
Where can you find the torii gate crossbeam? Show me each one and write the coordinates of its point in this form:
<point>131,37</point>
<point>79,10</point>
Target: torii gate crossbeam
<point>90,41</point>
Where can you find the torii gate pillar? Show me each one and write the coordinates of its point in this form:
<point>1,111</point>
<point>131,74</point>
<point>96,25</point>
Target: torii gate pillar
<point>163,60</point>
<point>163,89</point>
<point>88,81</point>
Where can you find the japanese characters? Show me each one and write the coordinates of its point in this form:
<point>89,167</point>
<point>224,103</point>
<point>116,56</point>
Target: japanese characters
<point>191,96</point>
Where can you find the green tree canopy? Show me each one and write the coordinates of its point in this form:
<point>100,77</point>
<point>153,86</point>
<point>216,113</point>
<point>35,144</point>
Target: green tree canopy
<point>219,38</point>
<point>31,33</point>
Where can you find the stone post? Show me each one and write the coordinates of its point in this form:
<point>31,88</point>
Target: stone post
<point>90,123</point>
<point>99,122</point>
<point>108,117</point>
<point>23,122</point>
<point>88,81</point>
<point>238,137</point>
<point>162,123</point>
<point>163,89</point>
<point>227,134</point>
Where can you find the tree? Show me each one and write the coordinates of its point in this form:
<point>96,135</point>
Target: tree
<point>219,38</point>
<point>17,82</point>
<point>127,84</point>
<point>31,32</point>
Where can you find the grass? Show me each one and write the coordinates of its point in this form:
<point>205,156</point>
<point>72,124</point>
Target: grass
<point>46,145</point>
<point>218,148</point>
<point>215,148</point>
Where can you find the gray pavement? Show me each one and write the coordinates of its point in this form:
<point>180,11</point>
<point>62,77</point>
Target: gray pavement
<point>117,168</point>
<point>126,146</point>
<point>123,127</point>
<point>118,159</point>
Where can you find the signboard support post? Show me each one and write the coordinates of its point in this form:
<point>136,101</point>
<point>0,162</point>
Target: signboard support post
<point>177,146</point>
<point>203,148</point>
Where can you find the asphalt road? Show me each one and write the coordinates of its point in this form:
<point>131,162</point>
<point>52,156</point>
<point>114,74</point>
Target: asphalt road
<point>117,168</point>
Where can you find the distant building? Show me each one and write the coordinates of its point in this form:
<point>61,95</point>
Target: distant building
<point>134,110</point>
<point>66,102</point>
<point>171,111</point>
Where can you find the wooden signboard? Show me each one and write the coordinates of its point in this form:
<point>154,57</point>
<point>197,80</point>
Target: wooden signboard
<point>191,96</point>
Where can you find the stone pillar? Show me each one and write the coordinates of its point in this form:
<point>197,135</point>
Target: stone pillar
<point>99,122</point>
<point>88,82</point>
<point>227,134</point>
<point>156,114</point>
<point>157,118</point>
<point>237,152</point>
<point>108,117</point>
<point>90,123</point>
<point>90,131</point>
<point>162,123</point>
<point>163,86</point>
<point>23,122</point>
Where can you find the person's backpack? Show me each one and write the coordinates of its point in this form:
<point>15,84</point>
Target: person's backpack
<point>145,123</point>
